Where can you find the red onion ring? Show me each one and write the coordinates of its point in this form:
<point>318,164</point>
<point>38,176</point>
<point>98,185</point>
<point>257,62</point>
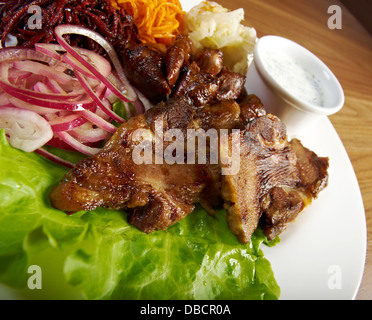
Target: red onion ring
<point>54,158</point>
<point>62,30</point>
<point>65,85</point>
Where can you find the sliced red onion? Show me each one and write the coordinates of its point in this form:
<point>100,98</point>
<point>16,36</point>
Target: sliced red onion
<point>100,64</point>
<point>98,61</point>
<point>67,123</point>
<point>39,93</point>
<point>137,103</point>
<point>97,120</point>
<point>88,133</point>
<point>76,65</point>
<point>26,130</point>
<point>49,49</point>
<point>101,113</point>
<point>16,75</point>
<point>61,30</point>
<point>36,82</point>
<point>60,144</point>
<point>55,86</point>
<point>96,99</point>
<point>14,54</point>
<point>4,99</point>
<point>29,106</point>
<point>41,87</point>
<point>52,104</point>
<point>42,69</point>
<point>78,146</point>
<point>111,97</point>
<point>8,87</point>
<point>54,158</point>
<point>146,104</point>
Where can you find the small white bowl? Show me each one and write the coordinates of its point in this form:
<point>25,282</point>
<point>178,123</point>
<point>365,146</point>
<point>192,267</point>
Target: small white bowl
<point>293,83</point>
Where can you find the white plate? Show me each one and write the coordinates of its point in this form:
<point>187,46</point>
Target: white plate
<point>322,254</point>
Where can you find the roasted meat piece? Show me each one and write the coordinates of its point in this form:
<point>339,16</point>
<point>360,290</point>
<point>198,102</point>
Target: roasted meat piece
<point>203,88</point>
<point>273,181</point>
<point>230,114</point>
<point>155,193</point>
<point>178,54</point>
<point>231,85</point>
<point>144,67</point>
<point>221,115</point>
<point>251,108</point>
<point>200,87</point>
<point>265,162</point>
<point>280,206</point>
<point>210,61</point>
<point>283,204</point>
<point>174,71</point>
<point>276,180</point>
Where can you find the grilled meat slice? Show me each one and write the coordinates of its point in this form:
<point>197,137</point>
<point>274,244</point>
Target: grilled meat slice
<point>178,54</point>
<point>176,71</point>
<point>311,168</point>
<point>230,114</point>
<point>210,61</point>
<point>276,180</point>
<point>200,87</point>
<point>144,67</point>
<point>231,85</point>
<point>203,88</point>
<point>279,207</point>
<point>151,193</point>
<point>251,108</point>
<point>266,161</point>
<point>282,205</point>
<point>156,194</point>
<point>221,115</point>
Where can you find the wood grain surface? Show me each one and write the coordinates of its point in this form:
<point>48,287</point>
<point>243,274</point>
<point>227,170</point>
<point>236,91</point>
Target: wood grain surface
<point>348,53</point>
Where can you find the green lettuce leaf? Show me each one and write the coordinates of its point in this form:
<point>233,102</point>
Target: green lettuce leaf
<point>98,255</point>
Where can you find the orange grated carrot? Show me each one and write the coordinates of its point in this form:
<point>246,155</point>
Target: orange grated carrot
<point>158,21</point>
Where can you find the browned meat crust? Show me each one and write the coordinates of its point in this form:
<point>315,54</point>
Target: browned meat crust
<point>175,71</point>
<point>178,54</point>
<point>156,195</point>
<point>266,161</point>
<point>283,204</point>
<point>276,180</point>
<point>144,67</point>
<point>210,61</point>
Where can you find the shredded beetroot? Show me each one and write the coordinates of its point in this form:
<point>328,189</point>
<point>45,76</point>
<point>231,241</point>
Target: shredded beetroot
<point>99,15</point>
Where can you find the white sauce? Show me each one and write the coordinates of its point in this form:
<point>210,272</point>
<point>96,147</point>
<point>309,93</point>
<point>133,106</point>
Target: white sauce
<point>294,78</point>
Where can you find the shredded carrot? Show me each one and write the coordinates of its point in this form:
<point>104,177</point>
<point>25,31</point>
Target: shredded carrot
<point>158,21</point>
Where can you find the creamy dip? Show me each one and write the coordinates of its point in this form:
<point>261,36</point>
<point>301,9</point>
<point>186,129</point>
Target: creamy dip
<point>293,77</point>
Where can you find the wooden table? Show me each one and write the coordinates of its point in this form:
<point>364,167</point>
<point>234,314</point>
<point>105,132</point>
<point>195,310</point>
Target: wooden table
<point>348,53</point>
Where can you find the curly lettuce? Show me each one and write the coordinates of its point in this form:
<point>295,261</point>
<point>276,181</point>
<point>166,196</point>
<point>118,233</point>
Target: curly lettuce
<point>98,255</point>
